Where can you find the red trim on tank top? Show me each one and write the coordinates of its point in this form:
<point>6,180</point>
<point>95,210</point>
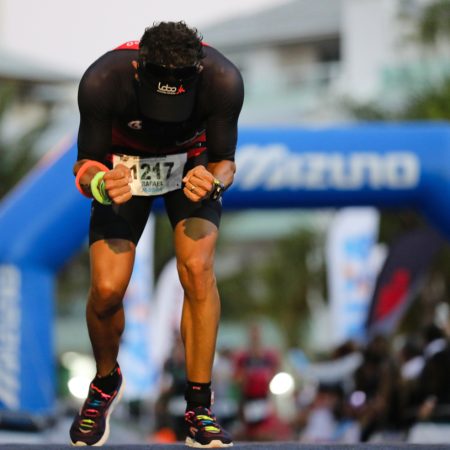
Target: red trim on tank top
<point>130,45</point>
<point>120,140</point>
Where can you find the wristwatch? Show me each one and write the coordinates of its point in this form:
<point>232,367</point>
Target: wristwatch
<point>217,190</point>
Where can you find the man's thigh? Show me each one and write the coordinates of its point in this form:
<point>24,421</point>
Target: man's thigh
<point>126,221</point>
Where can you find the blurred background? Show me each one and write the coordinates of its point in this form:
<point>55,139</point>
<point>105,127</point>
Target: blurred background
<point>335,315</point>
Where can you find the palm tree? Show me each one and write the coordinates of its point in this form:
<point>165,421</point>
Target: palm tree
<point>278,286</point>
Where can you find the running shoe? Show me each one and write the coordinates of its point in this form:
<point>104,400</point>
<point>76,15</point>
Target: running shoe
<point>204,431</point>
<point>91,424</point>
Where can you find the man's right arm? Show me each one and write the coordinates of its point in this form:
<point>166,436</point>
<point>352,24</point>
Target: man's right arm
<point>115,183</point>
<point>94,143</point>
<point>85,179</point>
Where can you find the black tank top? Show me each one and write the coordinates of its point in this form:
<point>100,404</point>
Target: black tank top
<point>110,118</point>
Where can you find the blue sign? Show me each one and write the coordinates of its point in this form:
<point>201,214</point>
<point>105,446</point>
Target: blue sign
<point>369,165</point>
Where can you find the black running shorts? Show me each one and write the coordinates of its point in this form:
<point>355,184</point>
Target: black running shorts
<point>127,221</point>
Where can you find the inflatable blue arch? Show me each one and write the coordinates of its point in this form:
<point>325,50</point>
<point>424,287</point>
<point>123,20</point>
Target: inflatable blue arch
<point>44,221</point>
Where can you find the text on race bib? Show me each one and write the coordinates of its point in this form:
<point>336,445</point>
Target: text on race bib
<point>153,176</point>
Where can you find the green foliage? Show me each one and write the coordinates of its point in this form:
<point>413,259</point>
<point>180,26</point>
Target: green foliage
<point>16,157</point>
<point>432,104</point>
<point>163,251</point>
<point>370,112</point>
<point>8,93</point>
<point>435,22</point>
<point>279,286</point>
<point>73,284</point>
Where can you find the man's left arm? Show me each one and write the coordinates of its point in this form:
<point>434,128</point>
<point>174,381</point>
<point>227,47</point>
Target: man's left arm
<point>209,182</point>
<point>223,171</point>
<point>221,134</point>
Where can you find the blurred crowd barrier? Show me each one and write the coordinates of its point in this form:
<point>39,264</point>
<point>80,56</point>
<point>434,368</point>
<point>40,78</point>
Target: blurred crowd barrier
<point>360,393</point>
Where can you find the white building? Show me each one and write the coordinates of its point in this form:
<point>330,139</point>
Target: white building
<point>302,59</point>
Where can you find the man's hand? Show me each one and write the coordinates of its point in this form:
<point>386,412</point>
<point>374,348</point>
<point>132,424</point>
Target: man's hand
<point>198,184</point>
<point>117,184</point>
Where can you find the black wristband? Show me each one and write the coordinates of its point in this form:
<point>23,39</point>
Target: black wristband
<point>217,190</point>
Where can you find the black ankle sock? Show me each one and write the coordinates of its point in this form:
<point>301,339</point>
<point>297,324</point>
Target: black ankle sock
<point>108,383</point>
<point>197,394</point>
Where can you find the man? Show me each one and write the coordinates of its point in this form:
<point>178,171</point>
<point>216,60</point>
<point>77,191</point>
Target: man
<point>255,367</point>
<point>430,400</point>
<point>158,118</point>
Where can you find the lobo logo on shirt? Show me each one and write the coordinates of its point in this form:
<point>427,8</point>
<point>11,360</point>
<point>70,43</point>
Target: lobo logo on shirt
<point>154,176</point>
<point>170,90</point>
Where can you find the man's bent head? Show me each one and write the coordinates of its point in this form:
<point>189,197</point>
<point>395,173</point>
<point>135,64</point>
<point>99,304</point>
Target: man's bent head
<point>169,60</point>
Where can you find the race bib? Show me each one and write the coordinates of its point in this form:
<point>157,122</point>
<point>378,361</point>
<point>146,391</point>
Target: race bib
<point>156,175</point>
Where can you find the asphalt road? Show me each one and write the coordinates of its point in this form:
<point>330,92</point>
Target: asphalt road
<point>240,446</point>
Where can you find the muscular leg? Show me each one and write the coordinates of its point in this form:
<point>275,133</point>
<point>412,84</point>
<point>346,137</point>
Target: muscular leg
<point>111,267</point>
<point>195,241</point>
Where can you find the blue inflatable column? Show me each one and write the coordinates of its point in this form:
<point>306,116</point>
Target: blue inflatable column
<point>43,222</point>
<point>26,355</point>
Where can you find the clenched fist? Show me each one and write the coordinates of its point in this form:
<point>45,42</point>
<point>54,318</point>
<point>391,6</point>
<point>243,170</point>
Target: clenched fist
<point>198,184</point>
<point>117,183</point>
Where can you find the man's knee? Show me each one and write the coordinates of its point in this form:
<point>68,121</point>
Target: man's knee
<point>195,271</point>
<point>105,298</point>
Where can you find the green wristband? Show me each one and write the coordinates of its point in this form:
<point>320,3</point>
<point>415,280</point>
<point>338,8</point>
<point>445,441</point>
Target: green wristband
<point>98,189</point>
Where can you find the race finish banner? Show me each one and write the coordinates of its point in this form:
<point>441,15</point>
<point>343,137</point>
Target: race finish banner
<point>381,165</point>
<point>401,278</point>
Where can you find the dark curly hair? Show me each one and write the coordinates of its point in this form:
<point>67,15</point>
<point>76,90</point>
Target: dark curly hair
<point>171,43</point>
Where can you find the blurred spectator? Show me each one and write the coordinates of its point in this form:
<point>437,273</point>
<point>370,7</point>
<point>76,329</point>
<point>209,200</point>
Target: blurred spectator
<point>323,420</point>
<point>322,413</point>
<point>373,402</point>
<point>254,369</point>
<point>256,366</point>
<point>411,359</point>
<point>224,388</point>
<point>411,362</point>
<point>170,405</point>
<point>432,414</point>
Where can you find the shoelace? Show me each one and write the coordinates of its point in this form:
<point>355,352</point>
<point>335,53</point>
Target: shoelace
<point>208,423</point>
<point>87,423</point>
